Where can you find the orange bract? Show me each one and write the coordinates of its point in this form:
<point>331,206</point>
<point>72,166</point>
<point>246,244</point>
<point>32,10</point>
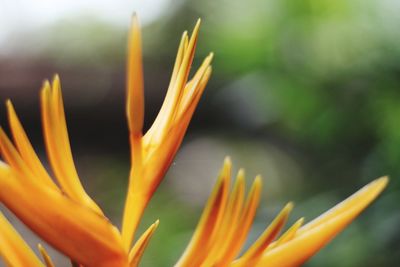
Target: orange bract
<point>64,215</point>
<point>227,218</point>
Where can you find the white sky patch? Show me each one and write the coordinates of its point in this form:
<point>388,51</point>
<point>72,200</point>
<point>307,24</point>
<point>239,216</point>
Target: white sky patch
<point>21,15</point>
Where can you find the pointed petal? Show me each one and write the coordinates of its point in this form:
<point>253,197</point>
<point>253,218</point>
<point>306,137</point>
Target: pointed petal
<point>12,157</point>
<point>254,253</point>
<point>160,144</point>
<point>25,148</point>
<point>183,73</point>
<point>135,87</point>
<point>226,229</point>
<point>313,236</point>
<point>189,105</point>
<point>58,146</point>
<point>163,155</point>
<point>172,100</point>
<point>13,249</point>
<point>193,86</point>
<point>359,199</point>
<point>183,46</point>
<point>135,205</point>
<point>195,251</point>
<point>288,235</point>
<point>46,257</point>
<point>169,96</point>
<point>87,237</point>
<point>245,223</point>
<point>138,249</point>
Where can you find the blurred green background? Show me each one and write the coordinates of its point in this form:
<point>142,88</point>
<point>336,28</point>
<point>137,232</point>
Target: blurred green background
<point>306,93</point>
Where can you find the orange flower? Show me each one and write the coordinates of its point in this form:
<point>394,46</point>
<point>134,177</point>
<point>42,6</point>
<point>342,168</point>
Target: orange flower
<point>227,218</point>
<point>153,151</point>
<point>68,219</point>
<point>28,191</point>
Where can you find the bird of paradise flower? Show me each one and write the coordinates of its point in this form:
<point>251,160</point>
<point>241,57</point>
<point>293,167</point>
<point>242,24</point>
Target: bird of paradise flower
<point>68,219</point>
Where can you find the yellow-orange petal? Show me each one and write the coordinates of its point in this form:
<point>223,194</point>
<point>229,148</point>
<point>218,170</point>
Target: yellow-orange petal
<point>138,249</point>
<point>87,237</point>
<point>12,157</point>
<point>58,146</point>
<point>25,148</point>
<point>189,105</point>
<point>289,234</point>
<point>13,249</point>
<point>161,142</point>
<point>244,225</point>
<point>183,72</point>
<point>169,95</point>
<point>313,236</point>
<point>225,232</point>
<point>46,257</point>
<point>135,87</point>
<point>172,101</point>
<point>163,154</point>
<point>183,45</point>
<point>254,253</point>
<point>135,205</point>
<point>196,250</point>
<point>193,86</point>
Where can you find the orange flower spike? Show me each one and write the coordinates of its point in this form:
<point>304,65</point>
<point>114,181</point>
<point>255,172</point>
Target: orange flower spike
<point>49,212</point>
<point>158,146</point>
<point>227,229</point>
<point>25,148</point>
<point>135,84</point>
<point>312,237</point>
<point>136,199</point>
<point>13,249</point>
<point>175,90</point>
<point>245,222</point>
<point>165,154</point>
<point>216,242</point>
<point>90,240</point>
<point>58,146</point>
<point>212,215</point>
<point>227,247</point>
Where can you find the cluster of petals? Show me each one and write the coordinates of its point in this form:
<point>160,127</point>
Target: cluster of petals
<point>56,207</point>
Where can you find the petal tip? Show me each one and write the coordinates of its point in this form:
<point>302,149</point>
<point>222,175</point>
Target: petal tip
<point>383,181</point>
<point>8,103</point>
<point>241,174</point>
<point>56,77</point>
<point>258,180</point>
<point>227,161</point>
<point>198,22</point>
<point>288,207</point>
<point>46,85</point>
